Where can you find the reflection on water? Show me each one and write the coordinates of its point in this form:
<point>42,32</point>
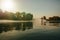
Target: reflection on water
<point>50,24</point>
<point>4,27</point>
<point>15,26</point>
<point>54,24</point>
<point>21,30</point>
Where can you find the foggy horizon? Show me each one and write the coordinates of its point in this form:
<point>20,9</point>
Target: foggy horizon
<point>38,8</point>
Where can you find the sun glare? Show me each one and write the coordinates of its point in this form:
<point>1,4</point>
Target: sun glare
<point>7,5</point>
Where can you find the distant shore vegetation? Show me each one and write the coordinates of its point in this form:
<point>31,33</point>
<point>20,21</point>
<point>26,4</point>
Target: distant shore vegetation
<point>56,18</point>
<point>15,16</point>
<point>53,19</point>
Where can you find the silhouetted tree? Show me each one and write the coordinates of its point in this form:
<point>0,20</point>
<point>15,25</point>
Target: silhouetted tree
<point>44,17</point>
<point>29,16</point>
<point>23,15</point>
<point>18,15</point>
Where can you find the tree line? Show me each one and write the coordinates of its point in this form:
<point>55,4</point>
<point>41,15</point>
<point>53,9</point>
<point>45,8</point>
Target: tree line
<point>56,18</point>
<point>15,16</point>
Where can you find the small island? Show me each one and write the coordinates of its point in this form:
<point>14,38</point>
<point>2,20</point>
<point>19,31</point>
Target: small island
<point>54,19</point>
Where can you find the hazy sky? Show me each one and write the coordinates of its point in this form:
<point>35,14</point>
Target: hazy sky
<point>38,7</point>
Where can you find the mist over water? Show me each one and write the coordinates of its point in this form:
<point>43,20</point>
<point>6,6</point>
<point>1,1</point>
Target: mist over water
<point>20,30</point>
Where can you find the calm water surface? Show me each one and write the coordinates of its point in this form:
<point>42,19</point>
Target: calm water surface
<point>29,31</point>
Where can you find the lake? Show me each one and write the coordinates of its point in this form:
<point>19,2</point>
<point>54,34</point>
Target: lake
<point>29,30</point>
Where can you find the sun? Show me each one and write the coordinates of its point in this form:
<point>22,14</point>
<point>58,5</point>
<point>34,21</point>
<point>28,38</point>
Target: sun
<point>7,5</point>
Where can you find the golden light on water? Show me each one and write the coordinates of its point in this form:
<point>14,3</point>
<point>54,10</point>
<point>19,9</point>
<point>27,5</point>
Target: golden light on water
<point>7,5</point>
